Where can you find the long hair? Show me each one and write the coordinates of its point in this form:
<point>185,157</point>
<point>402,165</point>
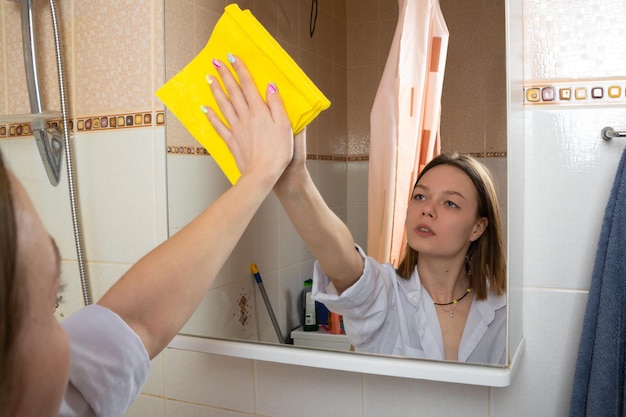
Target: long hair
<point>10,296</point>
<point>486,255</point>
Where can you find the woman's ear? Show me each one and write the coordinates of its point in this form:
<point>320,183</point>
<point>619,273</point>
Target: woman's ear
<point>479,228</point>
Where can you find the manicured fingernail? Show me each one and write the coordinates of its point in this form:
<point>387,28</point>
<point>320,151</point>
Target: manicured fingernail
<point>217,64</point>
<point>231,58</point>
<point>204,109</point>
<point>271,88</point>
<point>209,79</point>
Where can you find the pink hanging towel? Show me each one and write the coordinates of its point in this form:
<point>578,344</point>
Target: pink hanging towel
<point>404,123</point>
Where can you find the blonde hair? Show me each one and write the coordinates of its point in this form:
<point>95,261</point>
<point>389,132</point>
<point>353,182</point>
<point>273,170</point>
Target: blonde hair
<point>486,255</point>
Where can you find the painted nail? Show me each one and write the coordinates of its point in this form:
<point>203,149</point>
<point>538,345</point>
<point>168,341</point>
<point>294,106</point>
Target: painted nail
<point>231,58</point>
<point>217,64</point>
<point>209,79</point>
<point>271,88</point>
<point>204,109</point>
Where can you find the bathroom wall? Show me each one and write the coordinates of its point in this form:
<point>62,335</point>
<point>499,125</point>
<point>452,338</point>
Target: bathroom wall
<point>569,172</point>
<point>118,130</point>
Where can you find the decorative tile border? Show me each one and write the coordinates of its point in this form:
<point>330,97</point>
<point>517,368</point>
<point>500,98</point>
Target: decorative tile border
<point>576,92</point>
<point>92,123</point>
<point>485,154</point>
<point>149,119</point>
<point>188,150</point>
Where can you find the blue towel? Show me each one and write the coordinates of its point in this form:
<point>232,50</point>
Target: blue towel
<point>598,389</point>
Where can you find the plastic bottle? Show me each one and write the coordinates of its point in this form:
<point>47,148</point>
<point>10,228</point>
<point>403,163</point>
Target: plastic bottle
<point>310,310</point>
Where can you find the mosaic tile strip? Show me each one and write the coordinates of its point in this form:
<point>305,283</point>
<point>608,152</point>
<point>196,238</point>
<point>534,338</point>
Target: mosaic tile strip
<point>187,150</point>
<point>94,123</point>
<point>575,93</point>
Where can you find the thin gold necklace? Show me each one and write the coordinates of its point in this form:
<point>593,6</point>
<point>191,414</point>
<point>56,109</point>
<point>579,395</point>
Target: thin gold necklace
<point>453,303</point>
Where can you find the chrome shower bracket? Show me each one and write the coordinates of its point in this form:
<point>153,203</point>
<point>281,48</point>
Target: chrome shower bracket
<point>49,139</point>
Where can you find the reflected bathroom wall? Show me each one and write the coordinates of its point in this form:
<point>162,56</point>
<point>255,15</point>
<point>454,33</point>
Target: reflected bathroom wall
<point>233,308</point>
<point>345,58</point>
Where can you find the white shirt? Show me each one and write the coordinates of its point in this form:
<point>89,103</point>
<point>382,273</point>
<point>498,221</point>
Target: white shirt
<point>109,364</point>
<point>384,313</point>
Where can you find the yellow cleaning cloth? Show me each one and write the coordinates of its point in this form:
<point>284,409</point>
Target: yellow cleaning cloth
<point>238,32</point>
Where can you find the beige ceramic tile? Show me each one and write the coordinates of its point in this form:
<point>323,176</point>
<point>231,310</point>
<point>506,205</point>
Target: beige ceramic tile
<point>288,24</point>
<point>158,50</point>
<point>362,87</point>
<point>17,92</point>
<point>360,11</point>
<point>470,138</point>
<point>204,23</point>
<point>3,92</point>
<point>266,12</point>
<point>326,35</point>
<point>339,10</point>
<point>124,47</point>
<point>216,6</point>
<point>340,43</point>
<point>305,41</point>
<point>388,10</point>
<point>362,44</point>
<point>358,132</point>
<point>179,29</point>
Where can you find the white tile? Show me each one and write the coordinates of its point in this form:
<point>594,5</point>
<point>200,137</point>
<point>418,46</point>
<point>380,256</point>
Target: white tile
<point>117,193</point>
<point>220,314</point>
<point>160,183</point>
<point>72,292</point>
<point>193,182</point>
<point>147,406</point>
<point>102,277</point>
<point>267,244</point>
<point>178,409</point>
<point>287,391</point>
<point>154,384</point>
<point>357,223</point>
<point>552,327</point>
<point>568,45</point>
<point>52,203</point>
<point>218,381</point>
<point>385,396</point>
<point>290,296</point>
<point>568,176</point>
<point>332,183</point>
<point>290,243</point>
<point>269,208</point>
<point>357,183</point>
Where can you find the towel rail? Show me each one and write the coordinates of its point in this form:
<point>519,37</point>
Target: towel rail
<point>609,133</point>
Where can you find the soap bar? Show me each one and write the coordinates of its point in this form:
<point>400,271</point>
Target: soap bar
<point>238,32</point>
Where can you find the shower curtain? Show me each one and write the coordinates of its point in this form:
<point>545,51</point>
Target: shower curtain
<point>404,123</point>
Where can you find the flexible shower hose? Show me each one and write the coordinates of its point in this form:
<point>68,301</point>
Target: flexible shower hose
<point>82,268</point>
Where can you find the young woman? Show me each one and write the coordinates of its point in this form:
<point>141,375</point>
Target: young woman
<point>96,361</point>
<point>447,298</point>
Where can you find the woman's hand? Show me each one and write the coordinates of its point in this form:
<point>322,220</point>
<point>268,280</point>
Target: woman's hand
<point>258,134</point>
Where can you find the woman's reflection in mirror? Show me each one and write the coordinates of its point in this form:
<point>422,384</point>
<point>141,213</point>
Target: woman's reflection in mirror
<point>446,300</point>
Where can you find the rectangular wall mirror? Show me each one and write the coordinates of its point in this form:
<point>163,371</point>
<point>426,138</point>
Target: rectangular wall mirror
<point>481,115</point>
